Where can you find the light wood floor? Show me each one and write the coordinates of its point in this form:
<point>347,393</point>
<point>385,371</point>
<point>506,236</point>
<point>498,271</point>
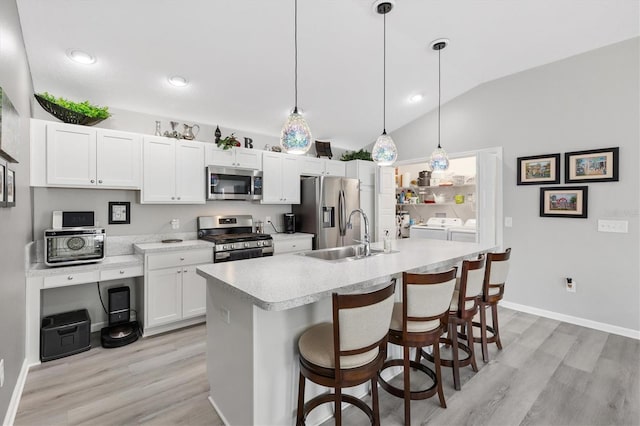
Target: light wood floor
<point>549,373</point>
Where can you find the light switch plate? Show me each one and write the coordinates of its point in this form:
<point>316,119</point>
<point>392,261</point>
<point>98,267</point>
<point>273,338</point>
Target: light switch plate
<point>508,222</point>
<point>618,226</point>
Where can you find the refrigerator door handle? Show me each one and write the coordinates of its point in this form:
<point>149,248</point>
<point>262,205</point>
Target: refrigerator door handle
<point>342,214</point>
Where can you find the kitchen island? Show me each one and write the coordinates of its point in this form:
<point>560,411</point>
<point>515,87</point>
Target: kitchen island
<point>257,309</point>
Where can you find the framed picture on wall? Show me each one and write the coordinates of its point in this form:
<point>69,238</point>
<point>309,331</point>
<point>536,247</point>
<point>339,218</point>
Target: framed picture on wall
<point>539,169</point>
<point>596,165</point>
<point>564,201</point>
<point>9,128</point>
<point>10,188</point>
<point>3,196</point>
<point>119,212</point>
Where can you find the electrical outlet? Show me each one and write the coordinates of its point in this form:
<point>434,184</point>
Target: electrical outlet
<point>571,285</point>
<point>175,223</point>
<point>1,373</point>
<point>618,226</point>
<point>508,222</point>
<point>267,219</point>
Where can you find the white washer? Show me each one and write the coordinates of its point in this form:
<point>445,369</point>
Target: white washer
<point>467,233</point>
<point>436,228</point>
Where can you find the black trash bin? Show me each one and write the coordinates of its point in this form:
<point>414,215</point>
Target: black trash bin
<point>65,334</point>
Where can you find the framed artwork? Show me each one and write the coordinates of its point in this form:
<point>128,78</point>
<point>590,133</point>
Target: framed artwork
<point>10,187</point>
<point>119,212</point>
<point>539,169</point>
<point>596,165</point>
<point>564,201</point>
<point>3,196</point>
<point>323,149</point>
<point>9,129</point>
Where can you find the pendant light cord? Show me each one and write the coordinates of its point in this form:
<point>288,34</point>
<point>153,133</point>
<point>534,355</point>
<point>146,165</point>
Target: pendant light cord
<point>295,43</point>
<point>384,74</point>
<point>439,95</point>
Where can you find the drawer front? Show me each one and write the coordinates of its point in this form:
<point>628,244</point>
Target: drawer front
<point>114,274</point>
<point>293,245</point>
<point>179,258</point>
<point>71,279</point>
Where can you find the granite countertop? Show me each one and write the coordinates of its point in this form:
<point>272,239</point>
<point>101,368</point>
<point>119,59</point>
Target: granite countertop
<point>109,262</point>
<point>157,247</point>
<point>290,280</point>
<point>281,236</point>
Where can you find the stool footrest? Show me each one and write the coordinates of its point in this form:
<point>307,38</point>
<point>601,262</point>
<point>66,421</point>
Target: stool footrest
<point>331,397</point>
<point>490,339</point>
<point>414,395</point>
<point>449,362</point>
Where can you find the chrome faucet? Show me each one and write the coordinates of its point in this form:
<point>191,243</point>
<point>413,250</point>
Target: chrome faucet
<point>367,239</point>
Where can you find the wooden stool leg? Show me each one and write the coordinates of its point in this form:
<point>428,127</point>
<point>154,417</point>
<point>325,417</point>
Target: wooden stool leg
<point>494,319</point>
<point>436,364</point>
<point>483,332</point>
<point>300,414</point>
<point>374,398</point>
<point>418,355</point>
<point>474,366</point>
<point>407,387</point>
<point>337,415</point>
<point>453,332</point>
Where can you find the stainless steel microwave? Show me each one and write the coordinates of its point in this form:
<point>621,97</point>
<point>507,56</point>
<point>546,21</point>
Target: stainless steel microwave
<point>228,183</point>
<point>72,246</point>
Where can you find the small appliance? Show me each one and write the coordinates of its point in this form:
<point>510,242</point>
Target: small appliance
<point>227,183</point>
<point>435,228</point>
<point>233,238</point>
<point>467,233</point>
<point>63,219</point>
<point>65,334</point>
<point>121,331</point>
<point>72,246</point>
<point>289,223</point>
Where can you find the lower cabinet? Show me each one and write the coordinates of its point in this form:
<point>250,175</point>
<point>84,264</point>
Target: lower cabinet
<point>173,290</point>
<point>292,244</point>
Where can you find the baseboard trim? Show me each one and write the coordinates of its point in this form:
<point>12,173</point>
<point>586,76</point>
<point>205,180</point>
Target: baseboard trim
<point>10,417</point>
<point>215,407</point>
<point>601,326</point>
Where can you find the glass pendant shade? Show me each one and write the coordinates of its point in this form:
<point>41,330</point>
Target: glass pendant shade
<point>439,160</point>
<point>295,137</point>
<point>384,151</point>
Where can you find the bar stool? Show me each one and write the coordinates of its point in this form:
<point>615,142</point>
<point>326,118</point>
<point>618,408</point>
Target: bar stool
<point>419,321</point>
<point>464,305</point>
<point>495,276</point>
<point>348,352</point>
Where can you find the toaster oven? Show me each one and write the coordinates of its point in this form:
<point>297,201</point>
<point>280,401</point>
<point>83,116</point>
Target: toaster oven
<point>73,246</point>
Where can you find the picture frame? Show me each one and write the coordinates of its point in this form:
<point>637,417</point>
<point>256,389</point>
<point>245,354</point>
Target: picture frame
<point>595,165</point>
<point>119,212</point>
<point>9,128</point>
<point>10,188</point>
<point>564,201</point>
<point>323,149</point>
<point>539,169</point>
<point>3,197</point>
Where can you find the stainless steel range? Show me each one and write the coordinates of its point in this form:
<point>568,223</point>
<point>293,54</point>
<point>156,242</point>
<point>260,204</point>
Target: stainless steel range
<point>233,238</point>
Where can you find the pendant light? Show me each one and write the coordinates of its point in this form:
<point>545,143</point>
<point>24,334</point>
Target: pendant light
<point>295,137</point>
<point>439,160</point>
<point>384,151</point>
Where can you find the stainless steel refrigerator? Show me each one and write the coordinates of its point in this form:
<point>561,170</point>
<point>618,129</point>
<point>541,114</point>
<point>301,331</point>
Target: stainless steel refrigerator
<point>325,205</point>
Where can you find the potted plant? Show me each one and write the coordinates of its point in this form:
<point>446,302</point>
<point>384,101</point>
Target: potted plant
<point>72,112</point>
<point>228,142</point>
<point>362,154</point>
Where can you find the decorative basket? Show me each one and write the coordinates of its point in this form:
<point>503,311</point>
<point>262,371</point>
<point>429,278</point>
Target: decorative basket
<point>66,115</point>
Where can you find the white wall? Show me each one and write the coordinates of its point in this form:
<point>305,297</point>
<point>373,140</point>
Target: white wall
<point>584,102</point>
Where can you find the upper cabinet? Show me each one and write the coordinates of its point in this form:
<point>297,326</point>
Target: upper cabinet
<point>281,179</point>
<point>68,155</point>
<point>173,172</point>
<point>310,166</point>
<point>235,157</point>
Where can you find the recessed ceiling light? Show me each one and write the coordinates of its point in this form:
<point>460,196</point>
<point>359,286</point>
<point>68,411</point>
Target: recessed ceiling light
<point>81,57</point>
<point>178,81</point>
<point>416,98</point>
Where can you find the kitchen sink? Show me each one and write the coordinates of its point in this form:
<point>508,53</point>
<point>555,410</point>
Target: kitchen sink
<point>341,254</point>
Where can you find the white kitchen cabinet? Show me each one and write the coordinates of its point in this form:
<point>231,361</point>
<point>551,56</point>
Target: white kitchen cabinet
<point>82,157</point>
<point>310,166</point>
<point>281,179</point>
<point>174,292</point>
<point>365,171</point>
<point>173,172</point>
<point>291,243</point>
<point>235,157</point>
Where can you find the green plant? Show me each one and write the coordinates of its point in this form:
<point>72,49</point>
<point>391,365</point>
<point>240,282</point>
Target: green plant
<point>362,154</point>
<point>81,107</point>
<point>228,142</point>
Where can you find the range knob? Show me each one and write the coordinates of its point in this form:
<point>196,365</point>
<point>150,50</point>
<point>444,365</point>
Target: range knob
<point>246,244</point>
<point>225,247</point>
<point>259,243</point>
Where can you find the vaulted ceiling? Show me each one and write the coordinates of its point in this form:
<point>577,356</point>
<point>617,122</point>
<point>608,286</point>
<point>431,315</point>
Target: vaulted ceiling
<point>238,56</point>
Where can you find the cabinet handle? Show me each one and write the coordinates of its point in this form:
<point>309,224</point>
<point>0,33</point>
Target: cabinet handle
<point>173,198</point>
<point>184,270</point>
<point>99,180</point>
<point>70,277</point>
<point>121,272</point>
<point>93,181</point>
<point>182,258</point>
<point>178,198</point>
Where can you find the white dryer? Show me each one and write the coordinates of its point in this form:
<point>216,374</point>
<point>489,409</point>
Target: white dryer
<point>436,228</point>
<point>467,233</point>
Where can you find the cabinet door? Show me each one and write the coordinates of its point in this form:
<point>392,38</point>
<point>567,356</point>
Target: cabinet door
<point>367,204</point>
<point>194,293</point>
<point>220,157</point>
<point>71,155</point>
<point>158,170</point>
<point>272,179</point>
<point>248,158</point>
<point>118,159</point>
<point>163,296</point>
<point>310,166</point>
<point>190,173</point>
<point>290,180</point>
<point>334,168</point>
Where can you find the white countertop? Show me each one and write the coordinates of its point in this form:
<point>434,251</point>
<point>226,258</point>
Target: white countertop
<point>282,236</point>
<point>290,280</point>
<point>109,262</point>
<point>156,247</point>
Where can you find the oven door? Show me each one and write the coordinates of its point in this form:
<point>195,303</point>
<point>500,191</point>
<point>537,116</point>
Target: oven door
<point>228,256</point>
<point>225,183</point>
